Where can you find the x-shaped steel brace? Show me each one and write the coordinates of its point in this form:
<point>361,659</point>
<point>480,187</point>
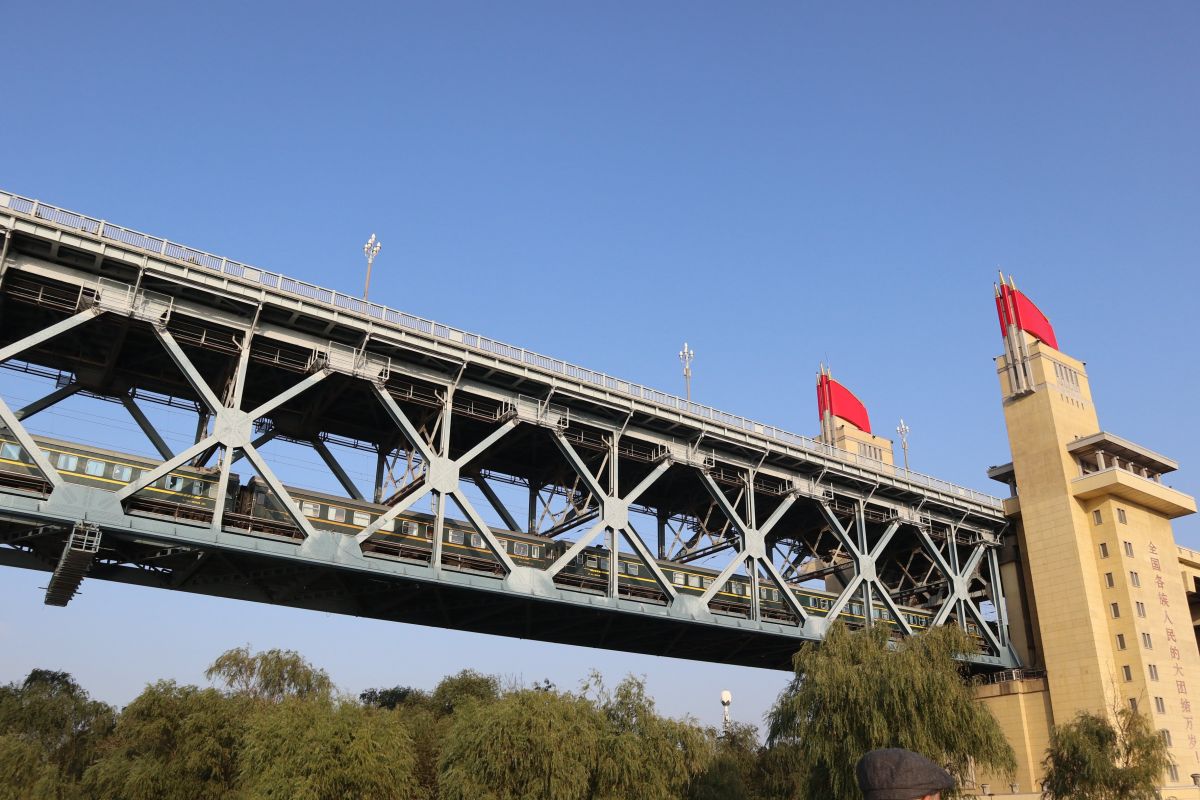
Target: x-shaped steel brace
<point>11,420</point>
<point>866,577</point>
<point>752,549</point>
<point>614,517</point>
<point>232,428</point>
<point>441,477</point>
<point>959,583</point>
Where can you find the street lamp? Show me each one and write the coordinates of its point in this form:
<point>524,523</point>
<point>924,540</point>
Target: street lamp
<point>686,356</point>
<point>726,700</point>
<point>370,250</point>
<point>903,430</point>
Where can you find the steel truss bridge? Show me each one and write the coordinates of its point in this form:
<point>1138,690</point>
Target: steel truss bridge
<point>112,314</point>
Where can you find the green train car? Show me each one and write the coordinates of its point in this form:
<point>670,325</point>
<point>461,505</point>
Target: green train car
<point>189,494</point>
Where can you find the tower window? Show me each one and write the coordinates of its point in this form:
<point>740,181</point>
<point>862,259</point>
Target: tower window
<point>1173,771</point>
<point>1104,549</point>
<point>1133,704</point>
<point>1160,706</point>
<point>1096,518</point>
<point>1121,516</point>
<point>1153,672</point>
<point>1129,549</point>
<point>1141,609</point>
<point>1116,610</point>
<point>1166,736</point>
<point>1134,579</point>
<point>1120,641</point>
<point>1108,579</point>
<point>1147,642</point>
<point>1127,672</point>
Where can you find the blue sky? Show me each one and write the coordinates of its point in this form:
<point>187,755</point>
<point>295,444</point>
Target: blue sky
<point>780,184</point>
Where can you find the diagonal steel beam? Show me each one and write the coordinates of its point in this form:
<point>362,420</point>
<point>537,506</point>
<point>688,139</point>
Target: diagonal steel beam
<point>42,403</point>
<point>164,468</point>
<point>285,498</point>
<point>635,541</point>
<point>188,369</point>
<point>575,549</point>
<point>401,419</point>
<point>490,494</point>
<point>336,468</point>
<point>579,467</point>
<point>287,394</point>
<point>392,513</point>
<point>147,428</point>
<point>488,441</point>
<point>31,449</point>
<point>34,339</point>
<point>473,516</point>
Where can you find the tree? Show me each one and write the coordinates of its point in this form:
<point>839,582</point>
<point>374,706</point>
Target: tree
<point>642,754</point>
<point>527,745</point>
<point>270,675</point>
<point>394,697</point>
<point>320,749</point>
<point>61,723</point>
<point>462,688</point>
<point>853,693</point>
<point>175,743</point>
<point>732,773</point>
<point>1090,758</point>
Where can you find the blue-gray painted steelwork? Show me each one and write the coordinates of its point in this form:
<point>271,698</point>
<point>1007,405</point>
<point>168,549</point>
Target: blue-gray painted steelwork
<point>794,533</point>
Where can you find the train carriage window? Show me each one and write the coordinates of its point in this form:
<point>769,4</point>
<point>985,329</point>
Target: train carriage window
<point>93,467</point>
<point>198,488</point>
<point>10,451</point>
<point>310,509</point>
<point>535,551</point>
<point>476,540</point>
<point>410,528</point>
<point>604,564</point>
<point>679,579</point>
<point>520,549</point>
<point>454,537</point>
<point>121,472</point>
<point>335,514</point>
<point>67,462</point>
<point>173,483</point>
<point>593,562</point>
<point>694,581</point>
<point>631,568</point>
<point>362,519</point>
<point>504,545</point>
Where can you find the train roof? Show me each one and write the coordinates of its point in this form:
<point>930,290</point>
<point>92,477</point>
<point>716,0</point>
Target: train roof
<point>117,454</point>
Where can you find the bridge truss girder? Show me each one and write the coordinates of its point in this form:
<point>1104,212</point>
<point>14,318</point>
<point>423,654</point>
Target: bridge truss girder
<point>253,369</point>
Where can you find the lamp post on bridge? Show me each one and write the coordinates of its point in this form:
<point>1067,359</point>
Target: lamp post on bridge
<point>903,430</point>
<point>370,250</point>
<point>686,356</point>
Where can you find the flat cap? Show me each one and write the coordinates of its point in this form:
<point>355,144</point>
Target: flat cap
<point>895,774</point>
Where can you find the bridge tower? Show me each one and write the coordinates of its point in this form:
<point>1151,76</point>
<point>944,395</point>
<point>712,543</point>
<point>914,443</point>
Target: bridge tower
<point>1100,613</point>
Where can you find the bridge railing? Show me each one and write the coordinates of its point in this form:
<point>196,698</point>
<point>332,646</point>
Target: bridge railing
<point>357,305</point>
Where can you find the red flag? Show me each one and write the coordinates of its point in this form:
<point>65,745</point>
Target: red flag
<point>1015,308</point>
<point>841,403</point>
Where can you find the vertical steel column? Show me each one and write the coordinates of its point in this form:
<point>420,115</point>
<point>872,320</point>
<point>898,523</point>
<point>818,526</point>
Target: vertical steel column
<point>993,558</point>
<point>439,499</point>
<point>663,517</point>
<point>380,466</point>
<point>860,522</point>
<point>614,538</point>
<point>4,256</point>
<point>534,492</point>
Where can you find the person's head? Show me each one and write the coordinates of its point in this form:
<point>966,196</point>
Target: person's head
<point>895,774</point>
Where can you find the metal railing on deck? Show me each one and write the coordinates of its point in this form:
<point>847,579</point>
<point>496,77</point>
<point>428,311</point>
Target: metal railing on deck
<point>282,283</point>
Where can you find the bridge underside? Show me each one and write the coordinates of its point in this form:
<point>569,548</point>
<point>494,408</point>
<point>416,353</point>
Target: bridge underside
<point>732,542</point>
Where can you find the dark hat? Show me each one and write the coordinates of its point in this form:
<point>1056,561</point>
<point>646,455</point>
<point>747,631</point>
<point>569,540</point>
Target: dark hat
<point>896,774</point>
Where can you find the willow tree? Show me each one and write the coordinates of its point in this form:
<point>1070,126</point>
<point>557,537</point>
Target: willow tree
<point>526,745</point>
<point>323,749</point>
<point>1094,757</point>
<point>270,675</point>
<point>853,693</point>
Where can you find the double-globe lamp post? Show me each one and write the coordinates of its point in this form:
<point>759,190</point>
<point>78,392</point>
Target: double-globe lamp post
<point>370,250</point>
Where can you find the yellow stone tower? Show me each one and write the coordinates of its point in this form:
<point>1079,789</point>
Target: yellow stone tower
<point>1098,599</point>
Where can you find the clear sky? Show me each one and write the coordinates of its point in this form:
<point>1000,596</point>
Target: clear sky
<point>780,184</point>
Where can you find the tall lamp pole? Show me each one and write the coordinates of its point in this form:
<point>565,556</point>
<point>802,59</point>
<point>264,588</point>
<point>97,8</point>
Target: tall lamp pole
<point>903,430</point>
<point>686,356</point>
<point>370,250</point>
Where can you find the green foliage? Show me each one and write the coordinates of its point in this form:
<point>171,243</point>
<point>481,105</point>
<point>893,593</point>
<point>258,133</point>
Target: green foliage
<point>26,773</point>
<point>271,675</point>
<point>642,754</point>
<point>54,715</point>
<point>1090,758</point>
<point>172,742</point>
<point>394,697</point>
<point>733,771</point>
<point>463,688</point>
<point>853,694</point>
<point>527,745</point>
<point>316,749</point>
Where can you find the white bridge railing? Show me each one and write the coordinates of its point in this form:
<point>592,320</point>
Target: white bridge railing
<point>282,283</point>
